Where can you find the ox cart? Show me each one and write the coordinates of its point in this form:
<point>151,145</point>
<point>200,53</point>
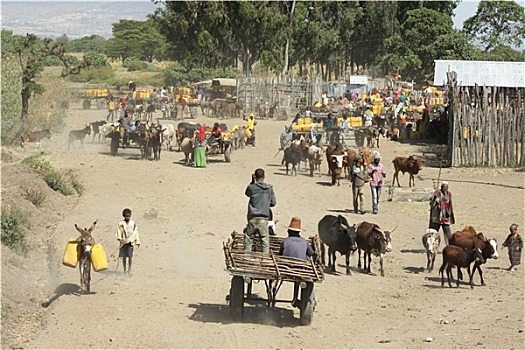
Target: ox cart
<point>274,269</point>
<point>99,96</point>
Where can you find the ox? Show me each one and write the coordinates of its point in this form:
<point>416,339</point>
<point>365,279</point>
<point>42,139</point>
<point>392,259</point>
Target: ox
<point>315,158</point>
<point>85,243</point>
<point>292,155</point>
<point>79,135</point>
<point>336,233</point>
<point>37,137</point>
<point>410,165</point>
<point>168,134</point>
<point>469,239</point>
<point>336,162</point>
<point>187,148</point>
<point>431,241</point>
<point>456,256</point>
<point>371,240</point>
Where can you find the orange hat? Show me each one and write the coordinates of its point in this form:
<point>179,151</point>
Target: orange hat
<point>295,224</point>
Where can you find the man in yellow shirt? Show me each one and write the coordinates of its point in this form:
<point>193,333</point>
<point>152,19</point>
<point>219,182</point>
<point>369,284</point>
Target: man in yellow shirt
<point>250,125</point>
<point>111,109</point>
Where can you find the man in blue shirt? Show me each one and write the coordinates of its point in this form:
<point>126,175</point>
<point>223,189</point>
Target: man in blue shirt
<point>296,246</point>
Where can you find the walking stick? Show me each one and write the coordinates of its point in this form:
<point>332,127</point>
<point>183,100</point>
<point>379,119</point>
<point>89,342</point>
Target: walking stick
<point>440,166</point>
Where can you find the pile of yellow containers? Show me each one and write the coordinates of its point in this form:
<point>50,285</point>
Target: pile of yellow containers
<point>184,91</point>
<point>377,108</point>
<point>436,100</point>
<point>103,92</point>
<point>304,124</point>
<point>355,121</point>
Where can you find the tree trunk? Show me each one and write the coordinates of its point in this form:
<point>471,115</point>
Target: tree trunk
<point>18,129</point>
<point>287,47</point>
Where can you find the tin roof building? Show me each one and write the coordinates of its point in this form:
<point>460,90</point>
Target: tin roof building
<point>488,73</point>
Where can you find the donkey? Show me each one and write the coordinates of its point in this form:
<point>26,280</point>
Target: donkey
<point>37,137</point>
<point>85,243</point>
<point>79,135</point>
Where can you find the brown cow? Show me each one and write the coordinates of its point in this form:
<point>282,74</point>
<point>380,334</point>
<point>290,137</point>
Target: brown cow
<point>336,162</point>
<point>460,257</point>
<point>410,165</point>
<point>468,239</point>
<point>37,137</point>
<point>372,240</point>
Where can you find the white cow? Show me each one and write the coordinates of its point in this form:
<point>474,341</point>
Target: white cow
<point>431,241</point>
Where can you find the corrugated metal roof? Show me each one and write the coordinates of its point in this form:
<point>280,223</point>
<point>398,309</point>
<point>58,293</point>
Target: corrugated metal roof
<point>226,81</point>
<point>489,73</point>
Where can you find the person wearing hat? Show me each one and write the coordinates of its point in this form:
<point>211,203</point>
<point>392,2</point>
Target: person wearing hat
<point>358,182</point>
<point>377,172</point>
<point>262,197</point>
<point>441,211</point>
<point>296,246</point>
<point>515,245</point>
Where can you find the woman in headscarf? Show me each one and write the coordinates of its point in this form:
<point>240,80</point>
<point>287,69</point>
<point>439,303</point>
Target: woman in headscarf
<point>199,152</point>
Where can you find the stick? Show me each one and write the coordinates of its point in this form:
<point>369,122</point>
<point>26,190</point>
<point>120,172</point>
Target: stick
<point>440,166</point>
<point>279,150</point>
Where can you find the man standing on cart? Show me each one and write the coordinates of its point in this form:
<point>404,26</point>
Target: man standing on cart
<point>262,197</point>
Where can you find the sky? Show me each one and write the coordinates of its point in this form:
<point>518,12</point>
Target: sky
<point>14,19</point>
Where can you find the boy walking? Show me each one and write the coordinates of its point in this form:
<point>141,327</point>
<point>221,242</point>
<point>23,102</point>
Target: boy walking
<point>515,245</point>
<point>128,237</point>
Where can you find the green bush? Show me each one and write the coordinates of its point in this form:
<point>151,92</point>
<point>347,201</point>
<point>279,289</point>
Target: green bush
<point>14,226</point>
<point>35,196</point>
<point>66,184</point>
<point>129,61</point>
<point>75,183</point>
<point>137,65</point>
<point>57,182</point>
<point>99,75</point>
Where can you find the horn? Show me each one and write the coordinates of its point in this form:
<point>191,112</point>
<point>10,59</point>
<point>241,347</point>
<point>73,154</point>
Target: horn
<point>344,226</point>
<point>393,229</point>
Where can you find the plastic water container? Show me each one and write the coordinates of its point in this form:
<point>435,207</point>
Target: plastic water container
<point>71,254</point>
<point>300,121</point>
<point>98,258</point>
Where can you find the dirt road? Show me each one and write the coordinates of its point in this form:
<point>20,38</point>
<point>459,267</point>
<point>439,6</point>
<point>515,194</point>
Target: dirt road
<point>176,296</point>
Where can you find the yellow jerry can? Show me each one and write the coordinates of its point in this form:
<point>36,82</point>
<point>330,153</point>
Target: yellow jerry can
<point>98,258</point>
<point>71,254</point>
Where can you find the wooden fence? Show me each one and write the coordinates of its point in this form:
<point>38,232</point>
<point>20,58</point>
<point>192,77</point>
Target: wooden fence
<point>488,129</point>
<point>284,92</point>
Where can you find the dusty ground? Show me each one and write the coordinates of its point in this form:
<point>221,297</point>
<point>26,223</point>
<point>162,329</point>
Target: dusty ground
<point>176,296</point>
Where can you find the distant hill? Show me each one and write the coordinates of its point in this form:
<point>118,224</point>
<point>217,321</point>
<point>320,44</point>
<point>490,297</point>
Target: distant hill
<point>75,19</point>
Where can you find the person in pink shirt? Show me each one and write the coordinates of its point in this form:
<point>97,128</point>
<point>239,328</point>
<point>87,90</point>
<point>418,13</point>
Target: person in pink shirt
<point>377,173</point>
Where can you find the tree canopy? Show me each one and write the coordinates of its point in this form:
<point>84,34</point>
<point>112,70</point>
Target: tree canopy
<point>497,23</point>
<point>140,39</point>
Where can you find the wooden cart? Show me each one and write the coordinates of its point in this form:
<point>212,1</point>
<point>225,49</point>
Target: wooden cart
<point>273,269</point>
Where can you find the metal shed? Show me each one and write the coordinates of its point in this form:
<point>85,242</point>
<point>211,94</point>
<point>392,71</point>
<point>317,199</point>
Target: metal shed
<point>488,73</point>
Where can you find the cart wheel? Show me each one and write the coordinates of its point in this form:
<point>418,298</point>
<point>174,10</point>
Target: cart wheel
<point>101,104</point>
<point>334,138</point>
<point>114,145</point>
<point>307,304</point>
<point>359,139</point>
<point>86,104</point>
<point>228,154</point>
<point>237,298</point>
